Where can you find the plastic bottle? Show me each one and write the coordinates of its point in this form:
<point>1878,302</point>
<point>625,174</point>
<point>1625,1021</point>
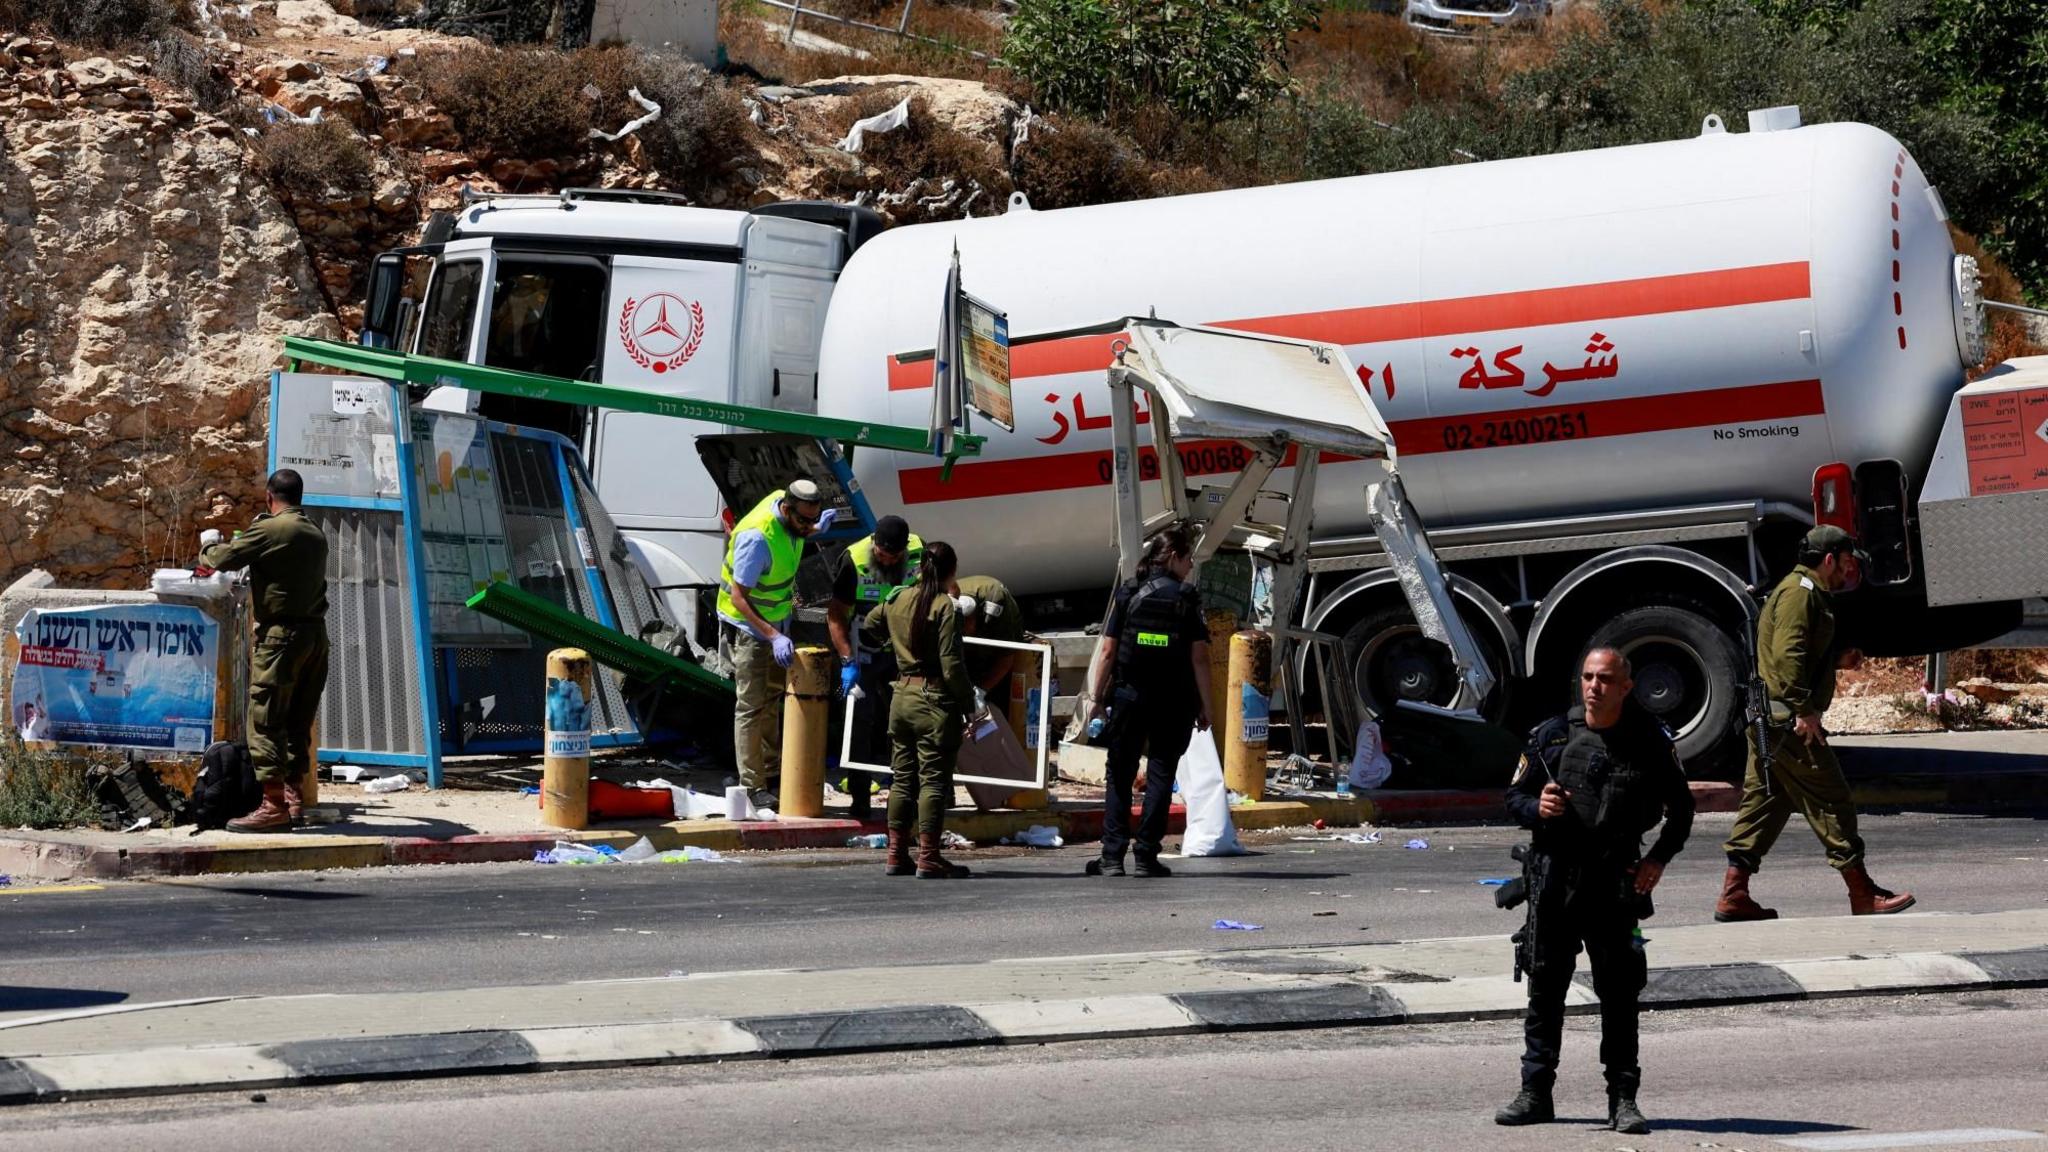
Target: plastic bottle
<point>396,783</point>
<point>1343,781</point>
<point>873,840</point>
<point>1095,729</point>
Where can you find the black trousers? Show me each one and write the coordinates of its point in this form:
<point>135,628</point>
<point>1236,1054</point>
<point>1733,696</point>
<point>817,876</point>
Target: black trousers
<point>1607,931</point>
<point>1158,731</point>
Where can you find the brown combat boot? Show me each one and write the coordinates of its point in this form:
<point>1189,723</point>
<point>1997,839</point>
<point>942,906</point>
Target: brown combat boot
<point>899,853</point>
<point>1735,904</point>
<point>931,865</point>
<point>1867,899</point>
<point>293,805</point>
<point>269,816</point>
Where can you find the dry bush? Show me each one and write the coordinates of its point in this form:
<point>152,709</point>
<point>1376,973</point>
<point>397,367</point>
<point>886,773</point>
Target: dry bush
<point>524,102</point>
<point>925,149</point>
<point>1999,665</point>
<point>1378,56</point>
<point>314,161</point>
<point>1068,162</point>
<point>179,58</point>
<point>702,122</point>
<point>100,23</point>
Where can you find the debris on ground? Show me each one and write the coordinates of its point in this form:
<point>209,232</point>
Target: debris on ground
<point>641,852</point>
<point>1417,844</point>
<point>1496,881</point>
<point>873,840</point>
<point>1037,836</point>
<point>1237,926</point>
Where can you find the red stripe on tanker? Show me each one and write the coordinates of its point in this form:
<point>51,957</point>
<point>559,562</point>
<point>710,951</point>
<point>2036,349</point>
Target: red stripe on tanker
<point>1791,400</point>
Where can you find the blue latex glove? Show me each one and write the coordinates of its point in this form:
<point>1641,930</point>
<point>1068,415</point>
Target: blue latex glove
<point>826,518</point>
<point>849,675</point>
<point>784,649</point>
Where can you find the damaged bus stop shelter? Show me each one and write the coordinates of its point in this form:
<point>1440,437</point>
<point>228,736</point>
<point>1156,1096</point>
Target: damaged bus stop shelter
<point>463,549</point>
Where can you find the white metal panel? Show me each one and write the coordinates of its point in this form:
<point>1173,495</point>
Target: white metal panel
<point>604,220</point>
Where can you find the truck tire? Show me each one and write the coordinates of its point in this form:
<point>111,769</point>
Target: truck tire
<point>1390,660</point>
<point>1688,673</point>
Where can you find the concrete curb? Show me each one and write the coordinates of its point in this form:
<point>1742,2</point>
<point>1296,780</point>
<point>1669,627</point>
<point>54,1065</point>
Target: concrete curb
<point>1327,1004</point>
<point>56,856</point>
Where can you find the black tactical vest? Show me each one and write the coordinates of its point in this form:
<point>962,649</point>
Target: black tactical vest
<point>1612,790</point>
<point>1151,646</point>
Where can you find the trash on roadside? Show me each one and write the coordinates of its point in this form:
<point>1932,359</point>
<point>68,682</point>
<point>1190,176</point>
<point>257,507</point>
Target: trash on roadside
<point>642,851</point>
<point>5,880</point>
<point>951,839</point>
<point>384,784</point>
<point>872,840</point>
<point>1331,912</point>
<point>878,124</point>
<point>530,790</point>
<point>1037,836</point>
<point>1237,926</point>
<point>1496,881</point>
<point>1416,844</point>
<point>346,773</point>
<point>139,825</point>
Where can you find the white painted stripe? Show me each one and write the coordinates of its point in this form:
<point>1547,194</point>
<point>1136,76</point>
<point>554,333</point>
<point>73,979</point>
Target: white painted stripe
<point>112,1010</point>
<point>1948,1139</point>
<point>1905,970</point>
<point>1140,1015</point>
<point>1472,996</point>
<point>159,1068</point>
<point>615,1043</point>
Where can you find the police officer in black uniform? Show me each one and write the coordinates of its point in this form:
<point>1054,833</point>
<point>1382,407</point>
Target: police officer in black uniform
<point>1590,784</point>
<point>1156,645</point>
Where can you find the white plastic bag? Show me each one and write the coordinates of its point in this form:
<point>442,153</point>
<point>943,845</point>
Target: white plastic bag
<point>878,124</point>
<point>1369,764</point>
<point>1209,831</point>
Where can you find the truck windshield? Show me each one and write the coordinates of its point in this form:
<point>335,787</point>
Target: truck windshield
<point>547,316</point>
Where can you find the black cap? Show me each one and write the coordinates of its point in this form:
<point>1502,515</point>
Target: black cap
<point>892,534</point>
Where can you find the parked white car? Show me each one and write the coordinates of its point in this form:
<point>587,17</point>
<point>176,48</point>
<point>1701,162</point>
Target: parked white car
<point>1465,17</point>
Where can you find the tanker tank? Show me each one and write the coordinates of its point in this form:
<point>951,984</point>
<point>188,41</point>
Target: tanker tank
<point>1666,324</point>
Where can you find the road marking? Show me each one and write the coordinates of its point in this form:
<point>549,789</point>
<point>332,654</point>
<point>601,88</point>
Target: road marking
<point>46,888</point>
<point>1947,1139</point>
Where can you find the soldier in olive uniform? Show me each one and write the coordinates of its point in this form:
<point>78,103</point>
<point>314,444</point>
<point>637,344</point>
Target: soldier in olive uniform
<point>928,712</point>
<point>1797,657</point>
<point>1590,784</point>
<point>988,610</point>
<point>286,555</point>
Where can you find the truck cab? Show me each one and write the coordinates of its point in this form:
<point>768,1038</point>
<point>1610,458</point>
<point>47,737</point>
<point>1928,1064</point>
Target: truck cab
<point>637,289</point>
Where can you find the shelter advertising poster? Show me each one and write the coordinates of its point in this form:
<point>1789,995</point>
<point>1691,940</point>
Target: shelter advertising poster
<point>118,675</point>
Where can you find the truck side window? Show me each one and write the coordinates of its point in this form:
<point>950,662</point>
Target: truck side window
<point>451,310</point>
<point>547,316</point>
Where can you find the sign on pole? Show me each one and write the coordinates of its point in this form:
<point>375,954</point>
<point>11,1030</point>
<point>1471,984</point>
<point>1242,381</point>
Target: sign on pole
<point>985,361</point>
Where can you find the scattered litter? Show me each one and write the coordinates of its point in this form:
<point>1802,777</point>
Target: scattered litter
<point>873,840</point>
<point>1331,912</point>
<point>346,773</point>
<point>641,852</point>
<point>1496,881</point>
<point>1037,836</point>
<point>951,839</point>
<point>279,114</point>
<point>5,880</point>
<point>1370,766</point>
<point>1416,844</point>
<point>1237,926</point>
<point>139,825</point>
<point>1237,798</point>
<point>1343,838</point>
<point>530,790</point>
<point>879,124</point>
<point>383,784</point>
<point>632,126</point>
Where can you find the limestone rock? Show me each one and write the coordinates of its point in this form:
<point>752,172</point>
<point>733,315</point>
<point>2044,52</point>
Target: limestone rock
<point>143,295</point>
<point>277,73</point>
<point>343,98</point>
<point>966,106</point>
<point>97,73</point>
<point>1986,691</point>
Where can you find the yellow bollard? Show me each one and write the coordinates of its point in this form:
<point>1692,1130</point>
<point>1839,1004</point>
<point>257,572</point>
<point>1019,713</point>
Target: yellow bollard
<point>1247,706</point>
<point>565,772</point>
<point>1222,625</point>
<point>1023,682</point>
<point>806,712</point>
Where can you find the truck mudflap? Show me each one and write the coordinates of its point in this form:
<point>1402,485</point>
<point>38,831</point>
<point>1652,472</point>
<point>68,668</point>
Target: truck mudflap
<point>1984,508</point>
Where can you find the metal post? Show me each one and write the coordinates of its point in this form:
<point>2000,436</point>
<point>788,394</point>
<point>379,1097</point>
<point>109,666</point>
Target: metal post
<point>565,773</point>
<point>1248,708</point>
<point>903,25</point>
<point>1222,626</point>
<point>806,709</point>
<point>796,12</point>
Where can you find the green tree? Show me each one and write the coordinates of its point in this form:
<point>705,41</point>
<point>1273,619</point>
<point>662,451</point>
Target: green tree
<point>1210,60</point>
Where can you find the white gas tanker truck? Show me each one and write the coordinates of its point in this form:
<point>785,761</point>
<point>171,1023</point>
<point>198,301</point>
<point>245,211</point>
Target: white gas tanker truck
<point>1621,382</point>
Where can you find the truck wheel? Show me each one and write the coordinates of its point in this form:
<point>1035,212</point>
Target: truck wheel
<point>1391,660</point>
<point>1688,673</point>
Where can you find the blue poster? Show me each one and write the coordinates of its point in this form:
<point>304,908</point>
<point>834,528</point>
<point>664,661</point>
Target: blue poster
<point>118,675</point>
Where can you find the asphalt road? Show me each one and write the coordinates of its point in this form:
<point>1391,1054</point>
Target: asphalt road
<point>448,926</point>
<point>1946,1072</point>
